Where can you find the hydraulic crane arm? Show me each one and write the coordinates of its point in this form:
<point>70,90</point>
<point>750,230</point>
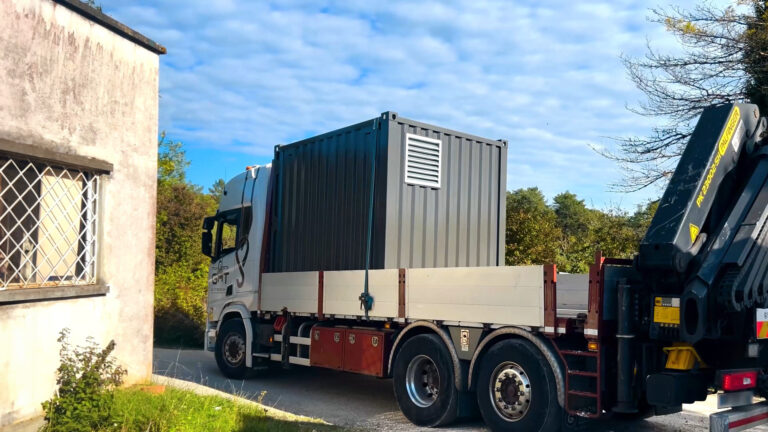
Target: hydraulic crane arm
<point>713,151</point>
<point>707,241</point>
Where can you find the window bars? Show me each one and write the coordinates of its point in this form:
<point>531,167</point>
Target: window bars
<point>48,225</point>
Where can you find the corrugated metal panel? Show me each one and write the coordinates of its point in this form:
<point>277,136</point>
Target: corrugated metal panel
<point>320,211</point>
<point>319,218</point>
<point>459,224</point>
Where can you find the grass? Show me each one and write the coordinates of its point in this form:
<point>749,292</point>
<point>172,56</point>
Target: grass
<point>181,410</point>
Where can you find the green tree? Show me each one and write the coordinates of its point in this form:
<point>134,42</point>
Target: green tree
<point>568,233</point>
<point>532,232</point>
<point>755,56</point>
<point>217,189</point>
<point>576,221</point>
<point>172,161</point>
<point>181,270</point>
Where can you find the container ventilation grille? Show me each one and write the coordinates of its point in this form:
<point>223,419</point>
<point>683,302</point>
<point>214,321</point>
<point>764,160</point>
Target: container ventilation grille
<point>422,161</point>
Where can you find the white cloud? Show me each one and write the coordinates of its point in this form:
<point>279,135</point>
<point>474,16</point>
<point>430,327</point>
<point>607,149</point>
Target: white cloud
<point>240,77</point>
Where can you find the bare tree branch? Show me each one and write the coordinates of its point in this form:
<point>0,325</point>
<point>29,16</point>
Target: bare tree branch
<point>724,59</point>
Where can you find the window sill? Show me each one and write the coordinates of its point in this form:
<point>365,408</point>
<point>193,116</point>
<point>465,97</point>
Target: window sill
<point>25,295</point>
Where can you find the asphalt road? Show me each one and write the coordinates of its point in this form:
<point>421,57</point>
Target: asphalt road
<point>358,401</point>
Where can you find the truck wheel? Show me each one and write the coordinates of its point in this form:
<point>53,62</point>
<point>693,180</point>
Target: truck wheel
<point>230,349</point>
<point>423,380</point>
<point>516,389</point>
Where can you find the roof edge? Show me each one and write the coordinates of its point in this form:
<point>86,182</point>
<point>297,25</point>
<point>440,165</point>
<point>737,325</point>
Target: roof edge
<point>112,24</point>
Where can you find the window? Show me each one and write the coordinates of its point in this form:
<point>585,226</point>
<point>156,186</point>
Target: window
<point>422,161</point>
<point>48,224</point>
<point>227,232</point>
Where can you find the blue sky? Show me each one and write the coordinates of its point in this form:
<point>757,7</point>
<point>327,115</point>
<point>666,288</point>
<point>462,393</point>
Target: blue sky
<point>241,77</point>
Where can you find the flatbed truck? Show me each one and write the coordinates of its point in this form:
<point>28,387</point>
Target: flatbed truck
<point>531,348</point>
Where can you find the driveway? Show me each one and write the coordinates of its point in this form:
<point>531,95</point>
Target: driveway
<point>360,401</point>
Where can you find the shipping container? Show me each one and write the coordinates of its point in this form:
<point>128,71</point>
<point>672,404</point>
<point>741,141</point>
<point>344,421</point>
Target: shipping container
<point>438,199</point>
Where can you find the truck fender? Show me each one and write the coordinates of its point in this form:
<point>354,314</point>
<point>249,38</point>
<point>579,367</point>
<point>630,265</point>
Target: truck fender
<point>542,344</point>
<point>245,315</point>
<point>433,328</point>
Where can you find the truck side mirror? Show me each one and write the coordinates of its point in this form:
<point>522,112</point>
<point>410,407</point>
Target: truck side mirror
<point>208,223</point>
<point>207,244</point>
<point>207,238</point>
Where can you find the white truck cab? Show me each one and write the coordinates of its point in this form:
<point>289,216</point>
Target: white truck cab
<point>233,239</point>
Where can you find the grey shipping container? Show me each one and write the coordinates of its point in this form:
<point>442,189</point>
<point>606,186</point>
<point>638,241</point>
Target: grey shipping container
<point>439,199</point>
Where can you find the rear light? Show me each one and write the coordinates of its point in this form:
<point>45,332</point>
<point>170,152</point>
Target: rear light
<point>739,380</point>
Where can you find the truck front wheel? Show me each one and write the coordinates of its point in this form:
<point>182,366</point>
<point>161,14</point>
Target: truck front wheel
<point>516,389</point>
<point>423,381</point>
<point>230,349</point>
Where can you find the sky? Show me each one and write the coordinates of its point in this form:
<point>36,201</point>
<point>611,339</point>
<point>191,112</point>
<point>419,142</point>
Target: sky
<point>243,76</point>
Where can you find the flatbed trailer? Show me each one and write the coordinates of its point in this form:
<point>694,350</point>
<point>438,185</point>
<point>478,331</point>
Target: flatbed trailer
<point>526,346</point>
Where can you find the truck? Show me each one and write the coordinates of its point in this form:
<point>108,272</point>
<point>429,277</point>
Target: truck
<point>378,249</point>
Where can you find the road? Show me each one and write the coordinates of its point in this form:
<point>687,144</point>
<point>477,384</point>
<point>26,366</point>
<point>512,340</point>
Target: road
<point>358,401</point>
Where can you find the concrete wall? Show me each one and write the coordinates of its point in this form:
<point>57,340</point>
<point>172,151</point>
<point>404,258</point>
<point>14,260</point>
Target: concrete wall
<point>72,86</point>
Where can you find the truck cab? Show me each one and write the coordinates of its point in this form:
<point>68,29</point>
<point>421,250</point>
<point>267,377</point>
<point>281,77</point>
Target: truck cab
<point>233,239</point>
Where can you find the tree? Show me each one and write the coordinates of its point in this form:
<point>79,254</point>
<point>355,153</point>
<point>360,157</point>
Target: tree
<point>568,233</point>
<point>217,189</point>
<point>575,220</point>
<point>181,270</point>
<point>723,59</point>
<point>532,232</point>
<point>172,161</point>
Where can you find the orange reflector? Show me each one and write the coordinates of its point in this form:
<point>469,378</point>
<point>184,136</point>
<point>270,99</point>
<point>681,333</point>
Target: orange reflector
<point>592,346</point>
<point>387,325</point>
<point>271,339</point>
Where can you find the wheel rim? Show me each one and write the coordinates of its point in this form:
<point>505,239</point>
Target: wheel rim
<point>422,381</point>
<point>510,391</point>
<point>234,349</point>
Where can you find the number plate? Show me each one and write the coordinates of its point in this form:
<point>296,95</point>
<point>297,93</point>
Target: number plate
<point>761,323</point>
<point>666,310</point>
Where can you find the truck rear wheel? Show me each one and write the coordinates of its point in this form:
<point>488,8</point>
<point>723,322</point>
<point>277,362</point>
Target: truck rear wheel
<point>423,381</point>
<point>516,389</point>
<point>230,349</point>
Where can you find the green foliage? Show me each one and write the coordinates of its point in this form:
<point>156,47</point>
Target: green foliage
<point>532,231</point>
<point>755,59</point>
<point>576,249</point>
<point>179,410</point>
<point>181,270</point>
<point>217,189</point>
<point>172,161</point>
<point>86,381</point>
<point>568,233</point>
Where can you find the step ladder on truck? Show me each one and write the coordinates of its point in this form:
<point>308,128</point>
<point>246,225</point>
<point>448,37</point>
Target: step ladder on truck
<point>379,249</point>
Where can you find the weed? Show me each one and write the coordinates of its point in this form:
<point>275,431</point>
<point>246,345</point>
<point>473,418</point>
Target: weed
<point>86,380</point>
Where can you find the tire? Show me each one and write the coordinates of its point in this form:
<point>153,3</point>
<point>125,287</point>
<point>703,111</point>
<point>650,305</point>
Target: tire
<point>424,381</point>
<point>516,389</point>
<point>230,349</point>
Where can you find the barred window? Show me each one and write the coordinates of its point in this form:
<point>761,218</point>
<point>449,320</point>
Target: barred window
<point>48,224</point>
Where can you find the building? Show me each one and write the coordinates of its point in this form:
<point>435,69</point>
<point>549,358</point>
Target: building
<point>78,156</point>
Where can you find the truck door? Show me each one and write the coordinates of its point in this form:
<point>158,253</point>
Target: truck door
<point>226,275</point>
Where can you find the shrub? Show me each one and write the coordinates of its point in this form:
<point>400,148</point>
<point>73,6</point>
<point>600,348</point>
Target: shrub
<point>86,380</point>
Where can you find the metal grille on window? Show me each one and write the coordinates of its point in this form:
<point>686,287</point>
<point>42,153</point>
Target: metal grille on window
<point>422,161</point>
<point>48,218</point>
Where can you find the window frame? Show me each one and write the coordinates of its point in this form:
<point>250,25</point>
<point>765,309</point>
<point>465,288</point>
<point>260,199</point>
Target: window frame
<point>42,154</point>
<point>220,218</point>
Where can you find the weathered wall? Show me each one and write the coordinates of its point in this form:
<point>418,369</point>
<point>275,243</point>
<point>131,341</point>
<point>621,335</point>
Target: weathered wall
<point>72,86</point>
